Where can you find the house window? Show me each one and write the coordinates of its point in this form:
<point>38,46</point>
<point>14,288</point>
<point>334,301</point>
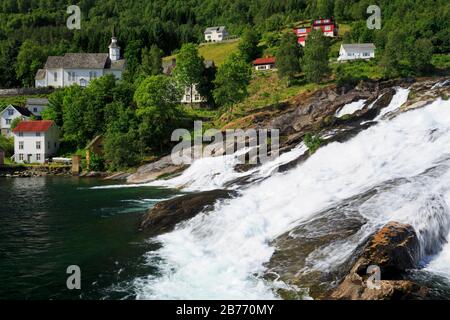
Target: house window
<point>20,145</point>
<point>20,134</point>
<point>8,121</point>
<point>38,156</point>
<point>55,76</point>
<point>366,54</point>
<point>92,75</point>
<point>10,112</point>
<point>20,157</point>
<point>188,97</point>
<point>35,109</point>
<point>38,134</point>
<point>72,76</point>
<point>197,97</point>
<point>38,145</point>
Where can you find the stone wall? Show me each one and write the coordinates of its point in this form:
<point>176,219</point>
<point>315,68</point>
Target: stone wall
<point>24,91</point>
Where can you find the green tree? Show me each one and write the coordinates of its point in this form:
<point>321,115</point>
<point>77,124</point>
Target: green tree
<point>288,57</point>
<point>248,45</point>
<point>232,80</point>
<point>54,110</point>
<point>15,122</point>
<point>315,60</point>
<point>325,8</point>
<point>421,56</point>
<point>31,57</point>
<point>133,57</point>
<point>190,67</point>
<point>152,61</point>
<point>157,100</point>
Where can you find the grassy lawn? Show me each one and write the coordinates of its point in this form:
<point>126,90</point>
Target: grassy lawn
<point>265,89</point>
<point>360,69</point>
<point>217,52</point>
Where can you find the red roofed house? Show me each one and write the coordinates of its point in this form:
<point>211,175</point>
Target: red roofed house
<point>35,141</point>
<point>264,63</point>
<point>328,27</point>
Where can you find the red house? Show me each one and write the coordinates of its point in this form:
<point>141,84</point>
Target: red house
<point>264,63</point>
<point>328,27</point>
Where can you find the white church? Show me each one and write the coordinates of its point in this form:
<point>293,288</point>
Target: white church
<point>80,68</point>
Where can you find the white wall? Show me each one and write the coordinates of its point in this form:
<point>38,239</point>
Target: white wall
<point>196,97</point>
<point>30,151</point>
<point>6,120</point>
<point>355,55</point>
<point>215,36</point>
<point>36,109</point>
<point>80,74</point>
<point>49,73</point>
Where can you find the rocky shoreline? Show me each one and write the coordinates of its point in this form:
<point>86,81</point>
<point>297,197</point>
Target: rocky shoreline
<point>34,171</point>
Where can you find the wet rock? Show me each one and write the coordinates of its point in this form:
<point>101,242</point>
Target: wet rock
<point>394,249</point>
<point>166,215</point>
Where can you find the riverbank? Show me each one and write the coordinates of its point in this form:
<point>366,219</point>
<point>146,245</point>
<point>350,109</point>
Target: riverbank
<point>27,171</point>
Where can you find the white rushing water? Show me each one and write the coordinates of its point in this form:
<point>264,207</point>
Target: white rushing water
<point>400,97</point>
<point>220,254</point>
<point>351,108</point>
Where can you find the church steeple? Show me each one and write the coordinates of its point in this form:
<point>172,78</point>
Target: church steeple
<point>114,49</point>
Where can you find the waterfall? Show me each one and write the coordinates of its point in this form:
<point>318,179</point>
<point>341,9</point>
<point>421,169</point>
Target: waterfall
<point>221,254</point>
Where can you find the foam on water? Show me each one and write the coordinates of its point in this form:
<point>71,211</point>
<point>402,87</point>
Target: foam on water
<point>400,97</point>
<point>219,255</point>
<point>351,108</point>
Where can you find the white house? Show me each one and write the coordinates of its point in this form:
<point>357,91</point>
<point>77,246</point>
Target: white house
<point>35,141</point>
<point>80,68</point>
<point>356,51</point>
<point>192,96</point>
<point>216,34</point>
<point>36,105</point>
<point>8,115</point>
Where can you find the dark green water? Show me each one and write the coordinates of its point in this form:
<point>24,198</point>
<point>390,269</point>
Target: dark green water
<point>47,224</point>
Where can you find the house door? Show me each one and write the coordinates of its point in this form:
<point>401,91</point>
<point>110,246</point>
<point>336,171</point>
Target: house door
<point>29,156</point>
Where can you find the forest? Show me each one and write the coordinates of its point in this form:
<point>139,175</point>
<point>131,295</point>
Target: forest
<point>33,29</point>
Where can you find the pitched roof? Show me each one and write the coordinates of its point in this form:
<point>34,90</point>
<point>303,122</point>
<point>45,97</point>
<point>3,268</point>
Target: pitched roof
<point>215,29</point>
<point>40,74</point>
<point>78,61</point>
<point>358,46</point>
<point>38,101</point>
<point>33,126</point>
<point>22,110</point>
<point>268,60</point>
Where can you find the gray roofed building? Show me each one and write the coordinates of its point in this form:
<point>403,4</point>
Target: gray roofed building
<point>356,51</point>
<point>80,68</point>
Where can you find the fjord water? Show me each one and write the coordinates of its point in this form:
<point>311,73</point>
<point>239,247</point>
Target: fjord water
<point>47,224</point>
<point>404,162</point>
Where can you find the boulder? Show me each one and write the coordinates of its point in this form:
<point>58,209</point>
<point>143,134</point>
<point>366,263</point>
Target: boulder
<point>166,215</point>
<point>393,249</point>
